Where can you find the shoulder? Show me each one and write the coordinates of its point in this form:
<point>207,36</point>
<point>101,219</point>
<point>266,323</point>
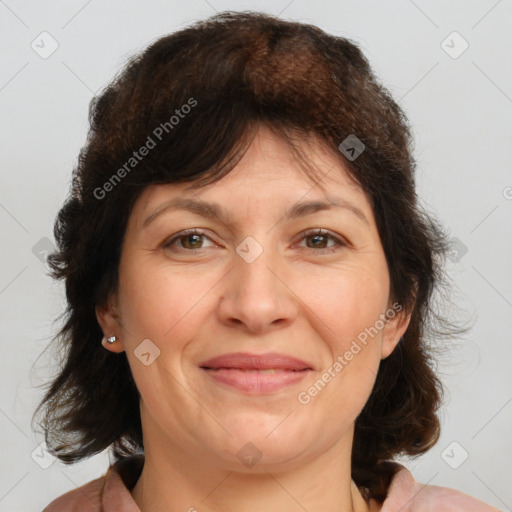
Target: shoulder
<point>86,498</point>
<point>410,496</point>
<point>107,493</point>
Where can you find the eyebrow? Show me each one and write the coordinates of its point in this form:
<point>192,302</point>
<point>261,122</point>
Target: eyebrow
<point>215,211</point>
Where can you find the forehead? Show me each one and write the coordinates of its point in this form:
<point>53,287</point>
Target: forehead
<point>268,168</point>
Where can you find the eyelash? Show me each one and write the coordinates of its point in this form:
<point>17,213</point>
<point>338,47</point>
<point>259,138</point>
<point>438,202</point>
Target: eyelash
<point>310,232</point>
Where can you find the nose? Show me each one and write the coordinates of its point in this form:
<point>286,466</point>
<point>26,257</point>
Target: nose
<point>256,296</point>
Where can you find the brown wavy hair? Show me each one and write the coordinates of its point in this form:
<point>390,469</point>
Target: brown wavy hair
<point>237,71</point>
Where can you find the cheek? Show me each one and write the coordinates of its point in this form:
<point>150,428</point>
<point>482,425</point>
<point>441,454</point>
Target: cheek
<point>346,305</point>
<point>347,313</point>
<point>169,307</point>
<point>161,303</point>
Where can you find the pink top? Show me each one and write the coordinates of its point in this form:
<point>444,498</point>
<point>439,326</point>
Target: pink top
<point>111,493</point>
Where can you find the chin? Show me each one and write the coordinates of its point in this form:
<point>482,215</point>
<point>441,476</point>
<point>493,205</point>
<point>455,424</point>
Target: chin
<point>259,443</point>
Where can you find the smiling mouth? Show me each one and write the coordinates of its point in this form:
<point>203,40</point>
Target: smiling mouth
<point>254,374</point>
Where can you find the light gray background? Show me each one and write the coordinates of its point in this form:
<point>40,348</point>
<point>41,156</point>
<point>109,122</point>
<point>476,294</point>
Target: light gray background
<point>461,113</point>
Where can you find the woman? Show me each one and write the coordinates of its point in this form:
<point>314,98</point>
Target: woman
<point>249,279</point>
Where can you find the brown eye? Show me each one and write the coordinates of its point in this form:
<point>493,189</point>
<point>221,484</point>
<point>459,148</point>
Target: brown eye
<point>189,240</point>
<point>318,239</point>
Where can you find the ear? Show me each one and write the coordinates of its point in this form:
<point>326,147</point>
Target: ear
<point>110,324</point>
<point>394,329</point>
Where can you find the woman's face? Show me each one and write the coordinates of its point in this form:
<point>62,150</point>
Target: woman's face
<point>295,316</point>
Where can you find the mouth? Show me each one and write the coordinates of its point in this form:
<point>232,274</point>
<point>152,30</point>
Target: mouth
<point>256,373</point>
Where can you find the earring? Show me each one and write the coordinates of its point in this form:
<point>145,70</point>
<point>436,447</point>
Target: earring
<point>112,339</point>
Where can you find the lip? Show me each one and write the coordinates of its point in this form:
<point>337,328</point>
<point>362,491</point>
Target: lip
<point>248,361</point>
<point>256,373</point>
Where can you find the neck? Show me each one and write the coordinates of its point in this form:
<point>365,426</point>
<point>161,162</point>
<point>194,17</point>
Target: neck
<point>191,482</point>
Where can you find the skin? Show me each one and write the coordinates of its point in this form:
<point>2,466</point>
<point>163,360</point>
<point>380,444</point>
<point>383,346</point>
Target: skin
<point>294,298</point>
